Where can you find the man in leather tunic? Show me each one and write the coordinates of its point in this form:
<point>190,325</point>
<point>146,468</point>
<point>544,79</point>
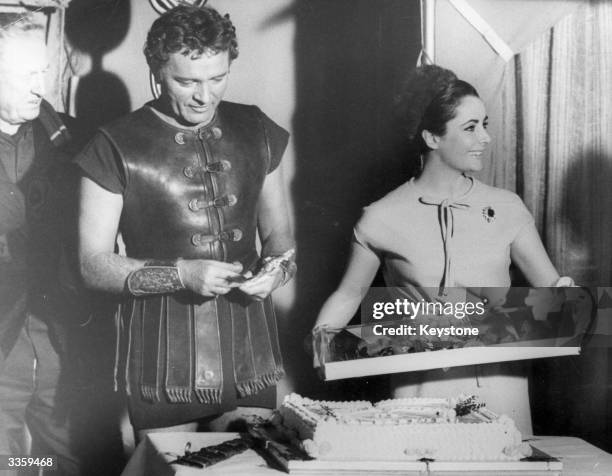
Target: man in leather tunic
<point>191,182</point>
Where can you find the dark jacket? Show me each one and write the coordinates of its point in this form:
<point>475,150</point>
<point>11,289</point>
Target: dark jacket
<point>39,229</point>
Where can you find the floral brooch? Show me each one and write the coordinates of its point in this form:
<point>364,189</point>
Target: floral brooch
<point>488,214</point>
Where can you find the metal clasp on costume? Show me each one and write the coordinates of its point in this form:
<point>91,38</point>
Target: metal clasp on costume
<point>215,167</point>
<point>212,133</point>
<point>200,239</point>
<point>221,166</point>
<point>226,201</point>
<point>232,235</point>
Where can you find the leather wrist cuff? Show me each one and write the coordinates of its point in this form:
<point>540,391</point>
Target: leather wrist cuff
<point>156,277</point>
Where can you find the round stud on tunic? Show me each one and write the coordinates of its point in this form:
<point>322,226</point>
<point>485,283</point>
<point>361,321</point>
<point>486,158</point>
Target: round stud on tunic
<point>179,138</point>
<point>217,133</point>
<point>194,205</point>
<point>188,172</point>
<point>208,375</point>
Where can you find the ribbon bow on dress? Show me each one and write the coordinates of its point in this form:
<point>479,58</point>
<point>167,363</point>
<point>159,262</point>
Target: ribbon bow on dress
<point>446,221</point>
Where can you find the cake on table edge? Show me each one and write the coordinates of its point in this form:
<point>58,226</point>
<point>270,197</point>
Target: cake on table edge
<point>408,429</point>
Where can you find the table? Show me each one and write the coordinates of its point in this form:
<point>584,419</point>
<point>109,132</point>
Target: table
<point>151,457</point>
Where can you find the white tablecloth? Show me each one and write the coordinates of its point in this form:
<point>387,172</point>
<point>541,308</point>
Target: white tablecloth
<point>157,449</point>
<point>152,455</point>
<point>579,457</point>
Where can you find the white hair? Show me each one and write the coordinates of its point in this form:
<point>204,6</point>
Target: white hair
<point>16,25</point>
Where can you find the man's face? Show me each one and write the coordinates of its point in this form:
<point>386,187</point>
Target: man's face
<point>193,86</point>
<point>23,67</point>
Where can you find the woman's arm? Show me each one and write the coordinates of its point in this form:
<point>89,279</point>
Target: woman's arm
<point>343,303</point>
<point>528,253</point>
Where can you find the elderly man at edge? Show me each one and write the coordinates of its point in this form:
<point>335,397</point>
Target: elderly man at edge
<point>190,181</point>
<point>38,286</point>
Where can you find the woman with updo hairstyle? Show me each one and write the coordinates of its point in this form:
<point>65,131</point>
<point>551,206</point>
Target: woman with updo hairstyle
<point>443,232</point>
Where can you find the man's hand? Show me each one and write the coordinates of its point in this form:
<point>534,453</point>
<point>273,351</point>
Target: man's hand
<point>262,284</point>
<point>208,277</point>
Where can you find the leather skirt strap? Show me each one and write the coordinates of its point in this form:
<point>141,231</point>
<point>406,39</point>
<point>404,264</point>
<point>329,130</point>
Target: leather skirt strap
<point>179,363</point>
<point>208,365</point>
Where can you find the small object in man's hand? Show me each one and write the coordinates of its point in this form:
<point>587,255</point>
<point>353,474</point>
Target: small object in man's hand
<point>241,278</point>
<point>270,264</point>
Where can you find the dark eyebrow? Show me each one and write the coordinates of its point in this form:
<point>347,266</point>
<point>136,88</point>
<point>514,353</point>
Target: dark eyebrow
<point>475,121</point>
<point>185,78</point>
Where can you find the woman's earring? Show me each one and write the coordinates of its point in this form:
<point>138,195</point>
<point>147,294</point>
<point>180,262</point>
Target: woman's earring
<point>155,85</point>
<point>422,164</point>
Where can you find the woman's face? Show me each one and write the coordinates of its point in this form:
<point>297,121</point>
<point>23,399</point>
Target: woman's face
<point>466,140</point>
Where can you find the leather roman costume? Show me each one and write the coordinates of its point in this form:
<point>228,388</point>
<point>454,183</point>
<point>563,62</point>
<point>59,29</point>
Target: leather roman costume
<point>194,194</point>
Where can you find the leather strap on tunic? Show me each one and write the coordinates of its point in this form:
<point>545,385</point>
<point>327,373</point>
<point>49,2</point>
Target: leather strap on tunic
<point>193,194</point>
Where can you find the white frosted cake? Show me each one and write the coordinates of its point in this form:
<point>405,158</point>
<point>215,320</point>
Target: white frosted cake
<point>402,430</point>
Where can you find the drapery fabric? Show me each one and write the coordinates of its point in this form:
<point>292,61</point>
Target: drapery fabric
<point>550,117</point>
<point>565,82</point>
<point>461,47</point>
<point>550,111</point>
<point>565,159</point>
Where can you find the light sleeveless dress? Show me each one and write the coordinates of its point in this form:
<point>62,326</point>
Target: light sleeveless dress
<point>433,242</point>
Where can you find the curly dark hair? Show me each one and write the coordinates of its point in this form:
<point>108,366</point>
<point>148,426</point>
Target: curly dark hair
<point>189,29</point>
<point>428,100</point>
